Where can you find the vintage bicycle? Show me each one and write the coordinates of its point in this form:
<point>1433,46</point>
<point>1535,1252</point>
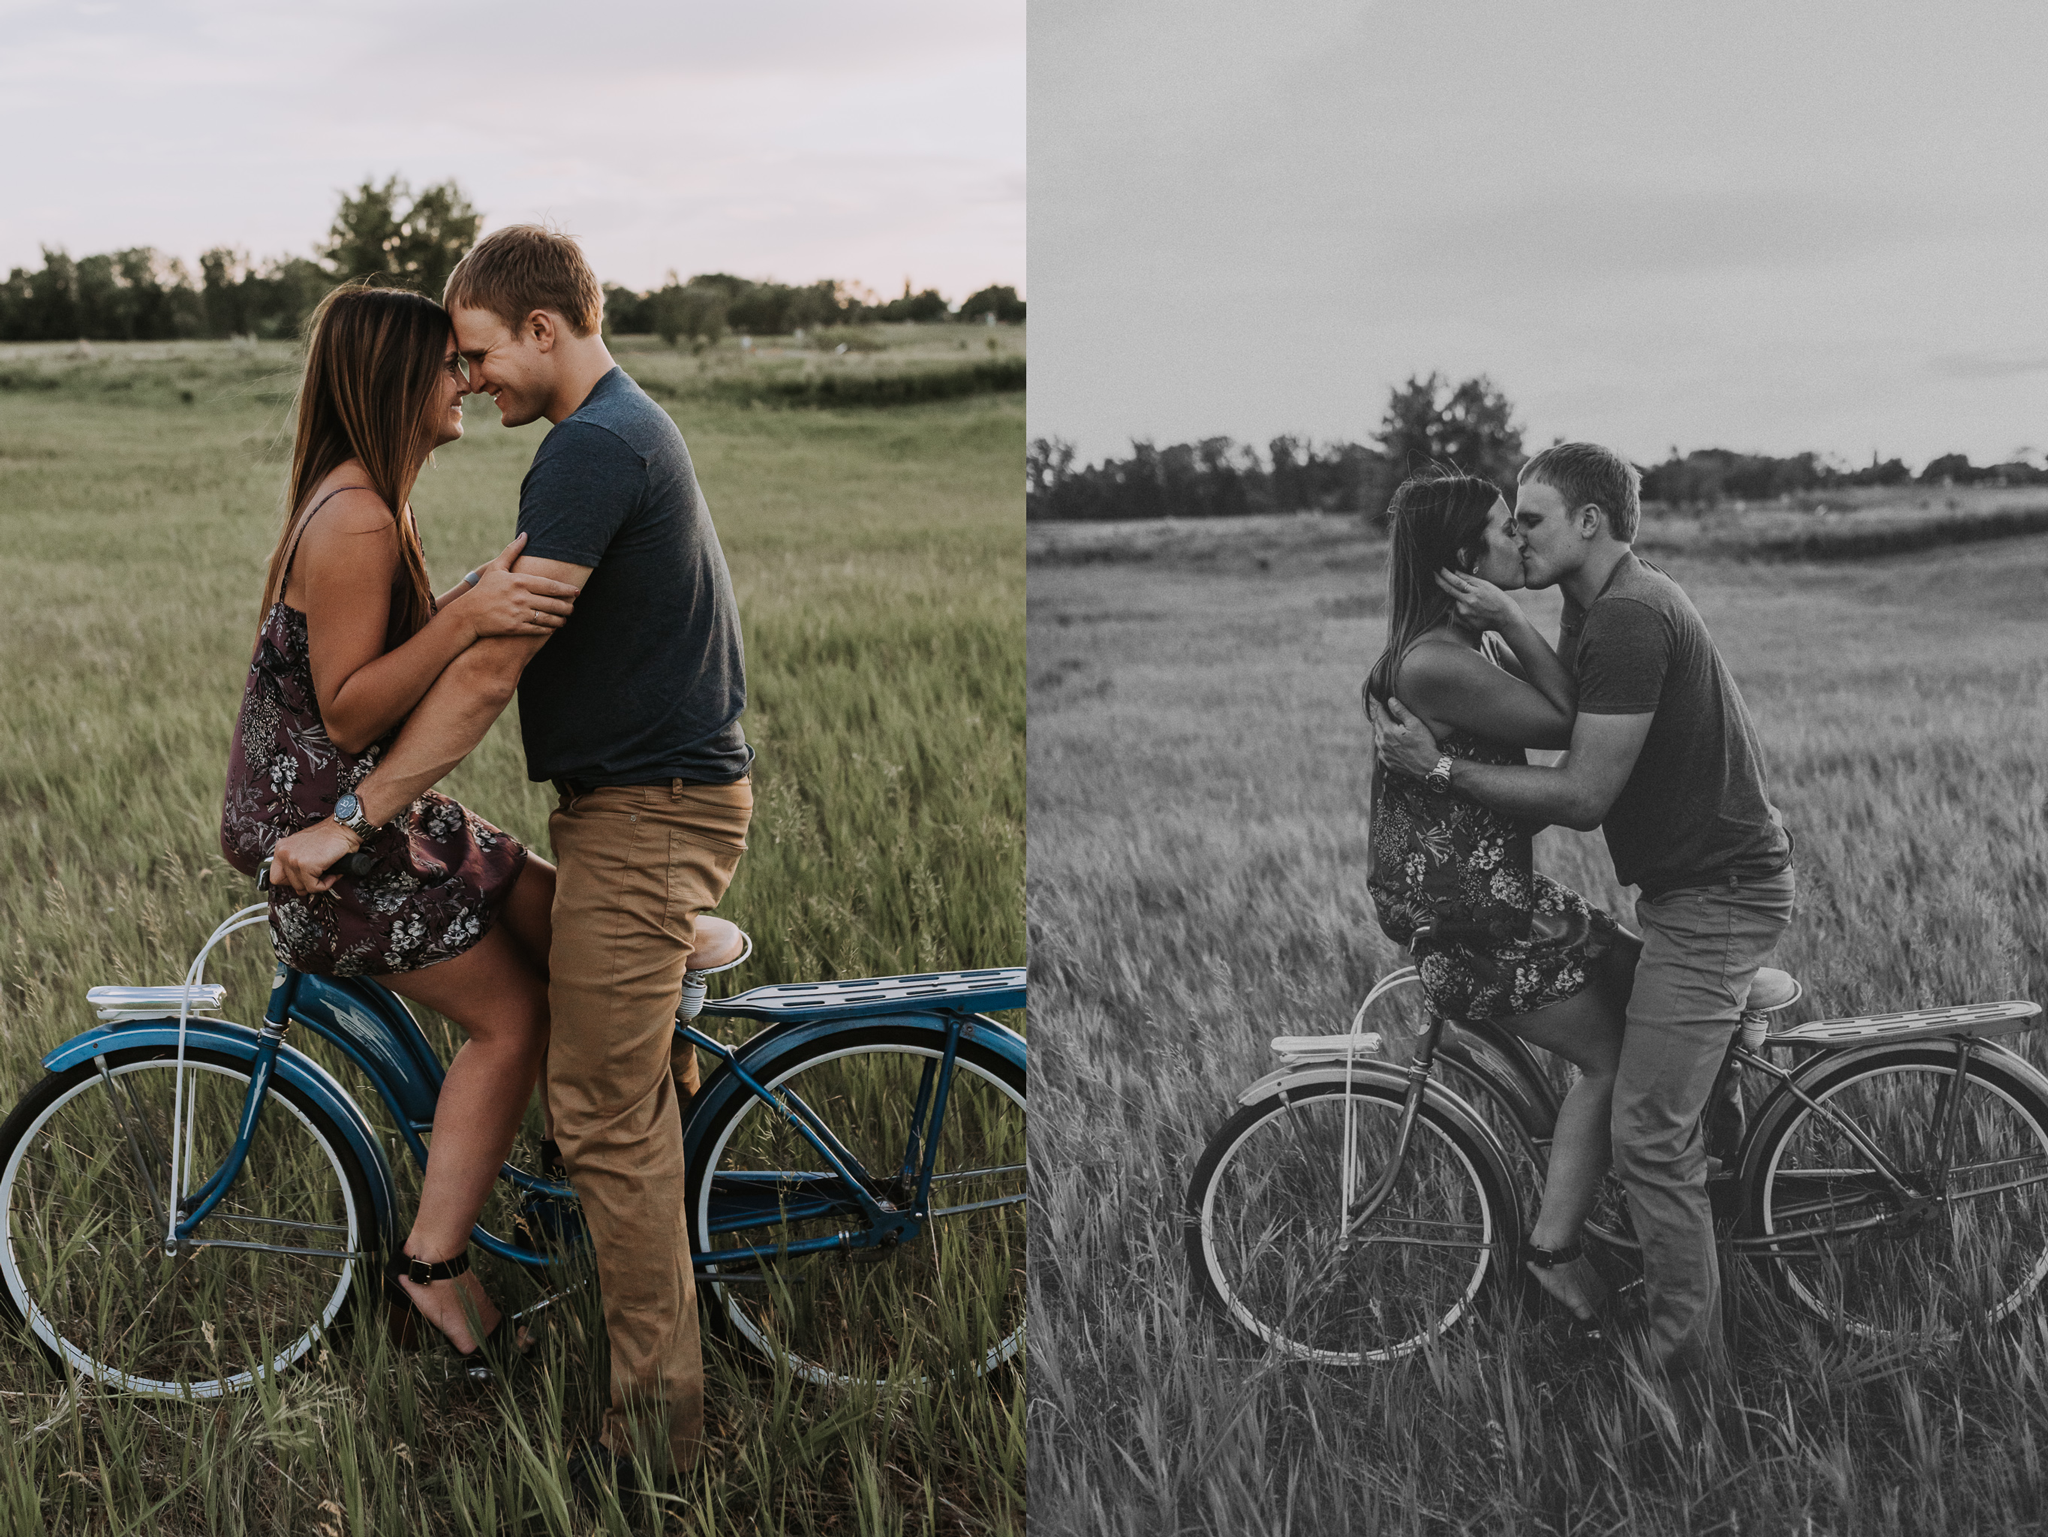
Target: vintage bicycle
<point>1353,1210</point>
<point>190,1204</point>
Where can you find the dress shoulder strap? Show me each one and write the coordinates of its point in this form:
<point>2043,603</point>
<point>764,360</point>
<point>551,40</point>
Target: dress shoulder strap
<point>286,580</point>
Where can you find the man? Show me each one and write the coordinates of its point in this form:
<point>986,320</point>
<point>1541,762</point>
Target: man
<point>1665,761</point>
<point>632,710</point>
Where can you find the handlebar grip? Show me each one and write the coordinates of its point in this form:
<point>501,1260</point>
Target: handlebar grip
<point>358,864</point>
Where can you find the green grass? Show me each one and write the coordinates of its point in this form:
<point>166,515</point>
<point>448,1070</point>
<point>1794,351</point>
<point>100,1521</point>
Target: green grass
<point>1198,768</point>
<point>877,559</point>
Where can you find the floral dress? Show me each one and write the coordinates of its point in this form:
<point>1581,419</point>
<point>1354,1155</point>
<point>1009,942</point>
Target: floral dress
<point>1507,940</point>
<point>441,873</point>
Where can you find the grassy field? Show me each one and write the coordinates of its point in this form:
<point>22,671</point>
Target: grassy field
<point>1198,768</point>
<point>877,560</point>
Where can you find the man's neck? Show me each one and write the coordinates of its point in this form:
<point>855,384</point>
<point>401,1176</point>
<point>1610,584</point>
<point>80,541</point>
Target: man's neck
<point>1583,585</point>
<point>588,361</point>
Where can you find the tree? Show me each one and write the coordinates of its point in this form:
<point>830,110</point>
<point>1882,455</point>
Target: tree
<point>1471,428</point>
<point>414,240</point>
<point>1952,468</point>
<point>1001,302</point>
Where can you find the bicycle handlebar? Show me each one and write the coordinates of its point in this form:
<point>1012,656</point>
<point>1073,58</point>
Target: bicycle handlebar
<point>357,864</point>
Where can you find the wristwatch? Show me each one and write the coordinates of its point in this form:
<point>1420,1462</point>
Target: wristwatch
<point>348,811</point>
<point>1438,778</point>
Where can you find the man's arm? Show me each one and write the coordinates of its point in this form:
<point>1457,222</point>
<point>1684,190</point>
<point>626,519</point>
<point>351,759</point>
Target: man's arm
<point>1575,793</point>
<point>443,729</point>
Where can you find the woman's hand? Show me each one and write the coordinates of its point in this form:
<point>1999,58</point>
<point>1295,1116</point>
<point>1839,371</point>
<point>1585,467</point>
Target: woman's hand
<point>1480,604</point>
<point>508,602</point>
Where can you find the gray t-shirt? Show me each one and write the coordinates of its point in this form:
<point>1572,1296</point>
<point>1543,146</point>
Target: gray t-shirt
<point>1694,810</point>
<point>645,682</point>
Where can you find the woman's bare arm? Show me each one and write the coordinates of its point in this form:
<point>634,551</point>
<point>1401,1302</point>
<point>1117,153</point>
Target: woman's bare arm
<point>342,580</point>
<point>1449,685</point>
<point>1484,606</point>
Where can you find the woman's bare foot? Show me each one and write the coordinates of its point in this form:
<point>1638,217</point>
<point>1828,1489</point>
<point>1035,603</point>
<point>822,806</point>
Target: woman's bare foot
<point>1576,1284</point>
<point>441,1304</point>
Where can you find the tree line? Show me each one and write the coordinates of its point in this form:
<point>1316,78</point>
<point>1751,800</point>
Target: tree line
<point>1428,420</point>
<point>411,239</point>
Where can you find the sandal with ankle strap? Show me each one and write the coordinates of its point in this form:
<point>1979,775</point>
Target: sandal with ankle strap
<point>495,1353</point>
<point>1554,1259</point>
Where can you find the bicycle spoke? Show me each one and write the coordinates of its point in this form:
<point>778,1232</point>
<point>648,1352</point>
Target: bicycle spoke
<point>895,1302</point>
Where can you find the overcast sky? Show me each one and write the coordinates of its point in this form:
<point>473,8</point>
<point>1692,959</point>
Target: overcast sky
<point>1756,226</point>
<point>791,139</point>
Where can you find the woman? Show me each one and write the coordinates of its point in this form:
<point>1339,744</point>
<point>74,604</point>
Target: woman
<point>1493,939</point>
<point>454,914</point>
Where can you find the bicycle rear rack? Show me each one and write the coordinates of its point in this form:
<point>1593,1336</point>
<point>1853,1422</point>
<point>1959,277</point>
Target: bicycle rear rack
<point>1975,1019</point>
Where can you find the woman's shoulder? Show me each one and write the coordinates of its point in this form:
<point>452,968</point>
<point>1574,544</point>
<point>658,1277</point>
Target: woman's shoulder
<point>341,513</point>
<point>1436,665</point>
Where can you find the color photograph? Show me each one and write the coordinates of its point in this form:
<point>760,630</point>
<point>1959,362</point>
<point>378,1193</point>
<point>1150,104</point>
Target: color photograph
<point>1537,525</point>
<point>512,708</point>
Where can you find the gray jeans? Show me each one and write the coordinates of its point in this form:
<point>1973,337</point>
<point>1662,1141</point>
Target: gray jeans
<point>1701,950</point>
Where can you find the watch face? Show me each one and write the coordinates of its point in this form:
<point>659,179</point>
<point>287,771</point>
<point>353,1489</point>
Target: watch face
<point>346,807</point>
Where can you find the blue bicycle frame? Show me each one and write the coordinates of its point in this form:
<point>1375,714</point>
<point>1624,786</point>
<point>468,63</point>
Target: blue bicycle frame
<point>373,1028</point>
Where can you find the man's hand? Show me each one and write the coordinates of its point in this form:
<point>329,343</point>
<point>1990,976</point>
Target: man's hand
<point>305,861</point>
<point>1480,604</point>
<point>1402,741</point>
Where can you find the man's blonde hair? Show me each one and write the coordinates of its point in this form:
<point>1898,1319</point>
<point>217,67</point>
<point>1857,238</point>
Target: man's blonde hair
<point>522,268</point>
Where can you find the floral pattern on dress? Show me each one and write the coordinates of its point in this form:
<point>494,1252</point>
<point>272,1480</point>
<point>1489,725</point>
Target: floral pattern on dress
<point>1525,941</point>
<point>442,871</point>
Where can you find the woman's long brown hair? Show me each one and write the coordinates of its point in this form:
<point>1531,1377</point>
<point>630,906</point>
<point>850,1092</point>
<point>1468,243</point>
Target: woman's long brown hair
<point>1439,522</point>
<point>371,389</point>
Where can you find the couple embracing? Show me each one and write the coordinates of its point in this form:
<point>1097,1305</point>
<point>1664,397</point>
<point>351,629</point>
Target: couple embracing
<point>611,616</point>
<point>1663,758</point>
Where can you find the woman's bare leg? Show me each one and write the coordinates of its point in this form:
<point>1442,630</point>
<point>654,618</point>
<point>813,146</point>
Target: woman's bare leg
<point>1586,1031</point>
<point>501,1002</point>
<point>529,912</point>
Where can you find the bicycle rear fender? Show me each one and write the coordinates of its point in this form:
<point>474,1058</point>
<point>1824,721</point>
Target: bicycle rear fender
<point>761,1054</point>
<point>1781,1101</point>
<point>239,1041</point>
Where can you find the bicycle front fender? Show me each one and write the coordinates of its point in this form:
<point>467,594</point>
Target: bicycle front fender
<point>1450,1104</point>
<point>293,1066</point>
<point>760,1055</point>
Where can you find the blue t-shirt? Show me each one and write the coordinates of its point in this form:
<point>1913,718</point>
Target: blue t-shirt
<point>645,682</point>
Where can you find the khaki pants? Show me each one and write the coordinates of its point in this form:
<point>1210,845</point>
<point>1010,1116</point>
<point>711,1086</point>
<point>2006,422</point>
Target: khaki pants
<point>638,863</point>
<point>1701,951</point>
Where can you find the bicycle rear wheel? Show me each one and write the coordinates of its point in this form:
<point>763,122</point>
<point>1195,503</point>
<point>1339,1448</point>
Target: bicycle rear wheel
<point>1876,1266</point>
<point>948,1301</point>
<point>84,1166</point>
<point>1271,1249</point>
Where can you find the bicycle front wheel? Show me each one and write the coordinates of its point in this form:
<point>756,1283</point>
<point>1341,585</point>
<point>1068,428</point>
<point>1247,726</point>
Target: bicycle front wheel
<point>84,1175</point>
<point>1277,1245</point>
<point>1963,1248</point>
<point>804,1286</point>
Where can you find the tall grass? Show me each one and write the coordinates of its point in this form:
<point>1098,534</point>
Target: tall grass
<point>1197,800</point>
<point>877,560</point>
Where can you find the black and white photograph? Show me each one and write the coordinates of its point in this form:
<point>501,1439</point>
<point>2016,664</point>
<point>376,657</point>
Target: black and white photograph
<point>1537,519</point>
